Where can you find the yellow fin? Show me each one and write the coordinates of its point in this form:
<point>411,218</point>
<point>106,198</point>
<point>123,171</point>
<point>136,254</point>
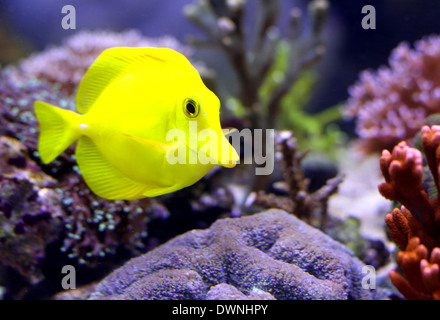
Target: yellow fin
<point>117,62</point>
<point>157,146</point>
<point>57,130</point>
<point>103,178</point>
<point>159,191</point>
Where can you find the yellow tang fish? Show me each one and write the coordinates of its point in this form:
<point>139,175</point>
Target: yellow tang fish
<point>127,102</point>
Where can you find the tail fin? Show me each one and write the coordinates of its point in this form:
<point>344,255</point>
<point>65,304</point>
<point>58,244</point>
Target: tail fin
<point>58,130</point>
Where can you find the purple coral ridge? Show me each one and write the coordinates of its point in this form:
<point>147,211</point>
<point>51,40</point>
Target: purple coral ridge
<point>272,253</point>
<point>392,103</point>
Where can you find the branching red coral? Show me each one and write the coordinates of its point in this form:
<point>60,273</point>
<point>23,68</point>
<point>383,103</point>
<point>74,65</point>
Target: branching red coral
<point>411,285</point>
<point>415,227</point>
<point>403,172</point>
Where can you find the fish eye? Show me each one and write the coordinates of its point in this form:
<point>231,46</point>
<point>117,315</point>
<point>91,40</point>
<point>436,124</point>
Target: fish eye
<point>191,108</point>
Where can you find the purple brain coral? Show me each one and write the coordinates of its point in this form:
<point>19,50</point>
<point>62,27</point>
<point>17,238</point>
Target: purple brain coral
<point>271,253</point>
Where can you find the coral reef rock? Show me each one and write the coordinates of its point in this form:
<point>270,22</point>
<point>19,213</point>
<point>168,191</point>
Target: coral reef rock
<point>271,254</point>
<point>30,213</point>
<point>67,64</point>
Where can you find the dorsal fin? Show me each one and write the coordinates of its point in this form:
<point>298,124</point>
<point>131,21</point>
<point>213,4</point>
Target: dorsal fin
<point>116,62</point>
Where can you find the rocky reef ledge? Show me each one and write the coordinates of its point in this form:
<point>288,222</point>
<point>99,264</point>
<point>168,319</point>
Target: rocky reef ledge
<point>270,255</point>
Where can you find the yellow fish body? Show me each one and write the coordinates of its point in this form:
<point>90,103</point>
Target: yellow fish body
<point>128,101</point>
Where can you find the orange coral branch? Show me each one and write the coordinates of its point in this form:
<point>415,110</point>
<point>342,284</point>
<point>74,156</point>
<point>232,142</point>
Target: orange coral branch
<point>406,289</point>
<point>430,141</point>
<point>403,172</point>
<point>399,227</point>
<point>415,227</point>
<point>421,276</point>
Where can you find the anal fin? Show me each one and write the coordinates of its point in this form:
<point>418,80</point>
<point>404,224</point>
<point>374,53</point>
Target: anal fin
<point>102,177</point>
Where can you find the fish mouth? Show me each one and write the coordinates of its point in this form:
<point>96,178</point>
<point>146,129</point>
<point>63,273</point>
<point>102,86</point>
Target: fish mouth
<point>228,156</point>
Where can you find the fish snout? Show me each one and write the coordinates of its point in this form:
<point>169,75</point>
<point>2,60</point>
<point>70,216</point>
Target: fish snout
<point>228,156</point>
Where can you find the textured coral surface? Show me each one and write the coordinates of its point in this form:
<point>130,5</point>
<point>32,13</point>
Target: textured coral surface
<point>392,103</point>
<point>30,210</point>
<point>272,252</point>
<point>66,65</point>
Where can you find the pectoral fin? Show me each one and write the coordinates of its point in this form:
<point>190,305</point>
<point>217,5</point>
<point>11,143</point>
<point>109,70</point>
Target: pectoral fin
<point>154,145</point>
<point>149,161</point>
